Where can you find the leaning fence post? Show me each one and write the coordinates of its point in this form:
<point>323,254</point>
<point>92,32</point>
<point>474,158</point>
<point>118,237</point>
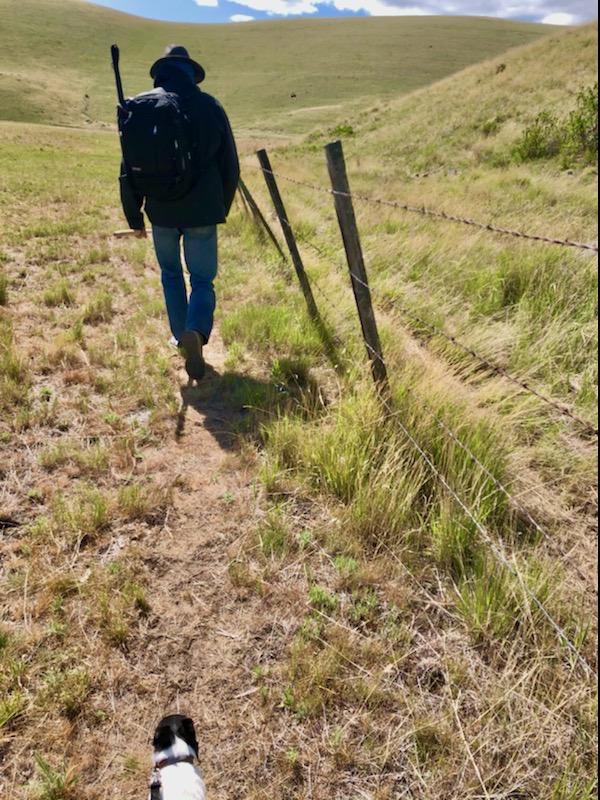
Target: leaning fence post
<point>358,274</point>
<point>290,239</point>
<point>259,217</point>
<point>243,201</point>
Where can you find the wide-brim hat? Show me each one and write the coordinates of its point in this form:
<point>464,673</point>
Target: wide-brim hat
<point>177,53</point>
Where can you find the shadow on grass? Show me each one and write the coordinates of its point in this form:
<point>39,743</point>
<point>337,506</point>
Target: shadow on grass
<point>229,403</point>
<point>329,343</point>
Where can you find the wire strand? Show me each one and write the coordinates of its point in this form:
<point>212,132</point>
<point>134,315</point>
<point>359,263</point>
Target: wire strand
<point>562,409</point>
<point>496,548</point>
<point>500,487</point>
<point>498,484</point>
<point>587,426</point>
<point>499,553</point>
<point>434,213</point>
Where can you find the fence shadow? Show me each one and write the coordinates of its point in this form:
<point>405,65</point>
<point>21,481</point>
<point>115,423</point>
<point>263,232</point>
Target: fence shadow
<point>329,343</point>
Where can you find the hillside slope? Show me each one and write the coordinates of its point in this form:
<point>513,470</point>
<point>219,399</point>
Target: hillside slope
<point>54,62</point>
<point>475,117</point>
<point>454,147</point>
<point>527,307</point>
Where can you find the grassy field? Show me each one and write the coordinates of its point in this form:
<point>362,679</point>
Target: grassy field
<point>529,308</point>
<point>55,63</point>
<point>387,653</point>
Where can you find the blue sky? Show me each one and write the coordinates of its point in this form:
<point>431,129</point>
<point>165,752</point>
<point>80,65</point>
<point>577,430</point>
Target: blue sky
<point>561,12</point>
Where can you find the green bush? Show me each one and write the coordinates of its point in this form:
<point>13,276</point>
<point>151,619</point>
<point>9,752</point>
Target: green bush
<point>542,139</point>
<point>574,138</point>
<point>582,126</point>
<point>342,131</point>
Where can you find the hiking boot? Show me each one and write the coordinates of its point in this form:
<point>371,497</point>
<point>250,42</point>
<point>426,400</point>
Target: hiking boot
<point>191,344</point>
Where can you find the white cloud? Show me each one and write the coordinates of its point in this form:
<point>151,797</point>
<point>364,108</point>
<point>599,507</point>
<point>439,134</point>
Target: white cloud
<point>559,18</point>
<point>211,3</point>
<point>376,8</point>
<point>241,18</point>
<point>554,12</point>
<point>282,8</point>
<point>557,12</point>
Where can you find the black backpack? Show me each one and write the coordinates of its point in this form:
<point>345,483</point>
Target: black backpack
<point>156,139</point>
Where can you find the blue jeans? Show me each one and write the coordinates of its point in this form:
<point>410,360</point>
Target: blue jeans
<point>200,251</point>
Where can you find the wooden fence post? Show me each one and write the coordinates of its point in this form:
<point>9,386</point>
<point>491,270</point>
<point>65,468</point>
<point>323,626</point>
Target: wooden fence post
<point>259,217</point>
<point>290,239</point>
<point>358,274</point>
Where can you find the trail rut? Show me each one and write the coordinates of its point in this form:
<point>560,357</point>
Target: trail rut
<point>195,652</point>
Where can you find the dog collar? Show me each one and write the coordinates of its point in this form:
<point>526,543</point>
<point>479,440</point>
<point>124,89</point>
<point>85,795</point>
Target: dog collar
<point>155,781</point>
<point>169,762</point>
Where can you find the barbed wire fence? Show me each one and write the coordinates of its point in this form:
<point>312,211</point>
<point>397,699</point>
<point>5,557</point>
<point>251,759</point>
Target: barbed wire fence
<point>343,199</point>
<point>496,369</point>
<point>513,499</point>
<point>435,213</point>
<point>585,426</point>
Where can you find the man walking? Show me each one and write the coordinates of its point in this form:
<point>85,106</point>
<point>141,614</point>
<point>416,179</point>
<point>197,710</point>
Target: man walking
<point>193,217</point>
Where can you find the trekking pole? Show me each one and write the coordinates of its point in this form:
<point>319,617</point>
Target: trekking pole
<point>114,52</point>
<point>124,234</point>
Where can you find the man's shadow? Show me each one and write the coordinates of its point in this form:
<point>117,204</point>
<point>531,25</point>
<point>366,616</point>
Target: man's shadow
<point>225,402</point>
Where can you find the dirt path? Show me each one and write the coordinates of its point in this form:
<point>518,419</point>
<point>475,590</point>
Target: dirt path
<point>195,648</point>
<point>196,651</point>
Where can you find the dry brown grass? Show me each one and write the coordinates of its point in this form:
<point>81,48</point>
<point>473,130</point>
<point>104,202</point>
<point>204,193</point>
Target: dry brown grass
<point>286,575</point>
<point>486,720</point>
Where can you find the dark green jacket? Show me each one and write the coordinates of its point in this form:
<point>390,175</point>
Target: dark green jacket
<point>216,165</point>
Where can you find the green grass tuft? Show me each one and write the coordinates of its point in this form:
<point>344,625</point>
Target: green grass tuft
<point>53,783</point>
<point>3,288</point>
<point>60,294</point>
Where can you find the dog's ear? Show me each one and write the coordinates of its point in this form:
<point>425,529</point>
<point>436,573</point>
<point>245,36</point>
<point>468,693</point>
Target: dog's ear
<point>190,734</point>
<point>163,738</point>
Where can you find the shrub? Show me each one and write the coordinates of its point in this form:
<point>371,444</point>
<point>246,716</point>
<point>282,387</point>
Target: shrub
<point>542,139</point>
<point>342,131</point>
<point>582,126</point>
<point>574,138</point>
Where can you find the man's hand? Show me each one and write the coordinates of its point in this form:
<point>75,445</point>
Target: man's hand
<point>140,233</point>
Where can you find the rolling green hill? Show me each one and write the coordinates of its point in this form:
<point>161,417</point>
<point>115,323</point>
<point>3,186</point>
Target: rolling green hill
<point>54,62</point>
<point>456,146</point>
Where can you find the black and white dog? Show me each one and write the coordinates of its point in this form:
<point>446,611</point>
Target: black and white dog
<point>176,774</point>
